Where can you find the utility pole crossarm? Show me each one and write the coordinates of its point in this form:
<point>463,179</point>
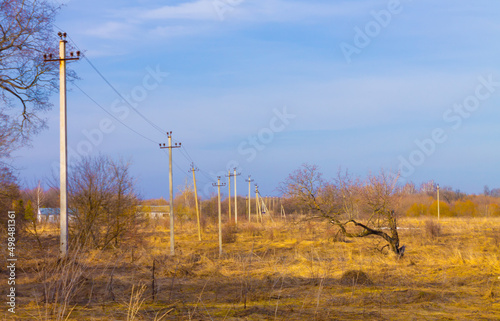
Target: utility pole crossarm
<point>62,54</point>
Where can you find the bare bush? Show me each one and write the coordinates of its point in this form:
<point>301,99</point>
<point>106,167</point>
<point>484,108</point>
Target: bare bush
<point>62,279</point>
<point>229,233</point>
<point>433,229</point>
<point>102,201</point>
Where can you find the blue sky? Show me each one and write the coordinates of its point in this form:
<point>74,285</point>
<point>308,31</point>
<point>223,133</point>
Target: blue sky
<point>270,84</point>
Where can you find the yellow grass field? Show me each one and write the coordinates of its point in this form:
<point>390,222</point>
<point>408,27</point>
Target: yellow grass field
<point>286,270</point>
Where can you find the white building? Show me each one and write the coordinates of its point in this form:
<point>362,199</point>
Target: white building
<point>50,215</point>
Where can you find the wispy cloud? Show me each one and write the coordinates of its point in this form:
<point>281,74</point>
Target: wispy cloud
<point>111,30</point>
<point>178,18</point>
<point>196,10</point>
<point>296,11</point>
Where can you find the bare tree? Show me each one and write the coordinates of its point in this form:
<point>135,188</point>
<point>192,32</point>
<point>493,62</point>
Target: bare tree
<point>358,208</point>
<point>102,201</point>
<point>124,201</point>
<point>26,34</point>
<point>9,192</point>
<point>34,199</point>
<point>7,138</point>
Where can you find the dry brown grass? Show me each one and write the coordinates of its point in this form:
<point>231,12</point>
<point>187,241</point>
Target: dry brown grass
<point>275,271</point>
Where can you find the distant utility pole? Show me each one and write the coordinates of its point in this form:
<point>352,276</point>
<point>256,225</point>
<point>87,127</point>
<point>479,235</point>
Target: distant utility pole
<point>283,214</point>
<point>171,186</point>
<point>257,204</point>
<point>194,169</point>
<point>249,197</point>
<point>63,144</point>
<point>235,198</point>
<point>220,219</point>
<point>229,195</point>
<point>438,200</point>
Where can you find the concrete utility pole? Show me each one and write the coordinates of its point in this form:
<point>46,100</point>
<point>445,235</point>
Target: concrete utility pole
<point>438,201</point>
<point>63,143</point>
<point>229,195</point>
<point>257,204</point>
<point>235,198</point>
<point>194,169</point>
<point>220,219</point>
<point>249,197</point>
<point>171,186</point>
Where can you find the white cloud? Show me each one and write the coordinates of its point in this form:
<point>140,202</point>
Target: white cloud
<point>175,31</point>
<point>178,19</point>
<point>111,30</point>
<point>197,10</point>
<point>256,10</point>
<point>281,10</point>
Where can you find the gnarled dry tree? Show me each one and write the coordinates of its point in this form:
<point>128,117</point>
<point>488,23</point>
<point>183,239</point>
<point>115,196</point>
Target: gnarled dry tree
<point>358,208</point>
<point>26,81</point>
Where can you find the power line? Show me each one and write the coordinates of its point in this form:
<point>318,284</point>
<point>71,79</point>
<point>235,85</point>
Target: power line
<point>186,152</point>
<point>177,165</point>
<point>125,100</point>
<point>207,175</point>
<point>115,90</point>
<point>183,150</point>
<point>113,116</point>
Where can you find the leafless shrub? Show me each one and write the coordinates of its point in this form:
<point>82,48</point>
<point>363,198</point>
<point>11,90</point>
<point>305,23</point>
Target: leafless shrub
<point>229,233</point>
<point>433,229</point>
<point>252,229</point>
<point>62,279</point>
<point>102,201</point>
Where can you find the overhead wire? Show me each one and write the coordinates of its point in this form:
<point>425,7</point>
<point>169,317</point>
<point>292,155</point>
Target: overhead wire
<point>125,100</point>
<point>113,87</point>
<point>177,165</point>
<point>183,150</point>
<point>113,116</point>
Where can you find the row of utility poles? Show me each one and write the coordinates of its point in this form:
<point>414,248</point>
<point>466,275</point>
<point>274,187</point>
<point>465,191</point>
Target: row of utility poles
<point>62,59</point>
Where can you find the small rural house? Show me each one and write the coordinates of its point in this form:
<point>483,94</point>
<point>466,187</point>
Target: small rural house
<point>151,211</point>
<point>50,215</point>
